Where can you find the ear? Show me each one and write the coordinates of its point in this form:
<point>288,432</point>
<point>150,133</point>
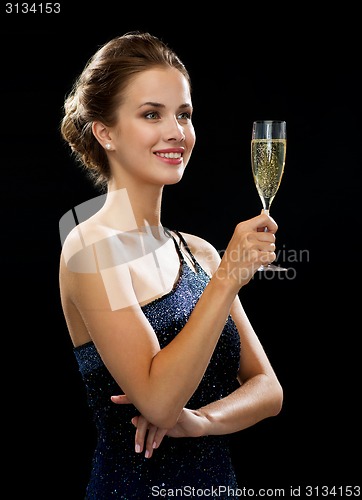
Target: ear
<point>101,133</point>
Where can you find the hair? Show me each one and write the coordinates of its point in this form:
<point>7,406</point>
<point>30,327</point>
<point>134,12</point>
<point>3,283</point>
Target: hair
<point>100,89</point>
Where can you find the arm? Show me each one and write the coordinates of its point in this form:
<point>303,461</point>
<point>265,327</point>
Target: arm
<point>159,382</point>
<point>259,396</point>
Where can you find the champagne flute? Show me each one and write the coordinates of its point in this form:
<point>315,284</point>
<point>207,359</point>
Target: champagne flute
<point>268,150</point>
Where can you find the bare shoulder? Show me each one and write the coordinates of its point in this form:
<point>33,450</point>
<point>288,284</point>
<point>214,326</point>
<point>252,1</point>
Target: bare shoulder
<point>204,252</point>
<point>78,246</point>
<point>77,259</point>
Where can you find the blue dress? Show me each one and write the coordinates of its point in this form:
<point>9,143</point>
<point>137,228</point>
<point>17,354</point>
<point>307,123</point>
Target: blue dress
<point>180,467</point>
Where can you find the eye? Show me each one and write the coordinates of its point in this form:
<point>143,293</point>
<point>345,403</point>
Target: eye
<point>152,115</point>
<point>186,115</point>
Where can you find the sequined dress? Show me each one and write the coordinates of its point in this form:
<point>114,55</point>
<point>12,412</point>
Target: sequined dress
<point>184,467</point>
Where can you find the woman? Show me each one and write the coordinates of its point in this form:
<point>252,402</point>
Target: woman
<point>171,364</point>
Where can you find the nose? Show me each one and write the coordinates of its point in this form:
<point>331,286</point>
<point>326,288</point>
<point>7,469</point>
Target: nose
<point>175,131</point>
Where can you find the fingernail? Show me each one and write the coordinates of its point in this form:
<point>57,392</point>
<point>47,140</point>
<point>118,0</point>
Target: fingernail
<point>138,448</point>
<point>154,445</point>
<point>147,454</point>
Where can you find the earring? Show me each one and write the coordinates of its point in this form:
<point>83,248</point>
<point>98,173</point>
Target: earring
<point>108,146</point>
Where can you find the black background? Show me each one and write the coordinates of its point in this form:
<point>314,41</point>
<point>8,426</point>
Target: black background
<point>245,64</point>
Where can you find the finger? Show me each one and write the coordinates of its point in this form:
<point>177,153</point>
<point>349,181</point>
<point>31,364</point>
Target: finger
<point>154,438</point>
<point>267,257</point>
<point>266,247</point>
<point>263,236</point>
<point>266,223</point>
<point>150,441</point>
<point>262,250</point>
<point>140,435</point>
<point>260,223</point>
<point>159,435</point>
<point>120,399</point>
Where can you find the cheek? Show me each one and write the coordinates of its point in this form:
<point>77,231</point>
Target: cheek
<point>191,138</point>
<point>135,133</point>
<point>144,137</point>
<point>190,143</point>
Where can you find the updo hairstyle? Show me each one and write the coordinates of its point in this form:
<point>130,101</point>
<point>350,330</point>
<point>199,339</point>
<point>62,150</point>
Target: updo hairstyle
<point>99,91</point>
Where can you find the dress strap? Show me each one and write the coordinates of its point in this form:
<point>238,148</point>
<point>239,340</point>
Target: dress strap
<point>178,249</point>
<point>183,241</point>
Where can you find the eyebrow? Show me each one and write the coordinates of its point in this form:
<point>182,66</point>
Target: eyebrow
<point>159,105</point>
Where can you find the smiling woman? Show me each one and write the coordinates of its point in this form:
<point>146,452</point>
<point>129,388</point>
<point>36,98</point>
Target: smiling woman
<point>170,361</point>
<point>158,132</point>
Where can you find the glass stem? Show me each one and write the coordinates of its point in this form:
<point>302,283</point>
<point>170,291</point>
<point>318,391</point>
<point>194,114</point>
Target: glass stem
<point>266,211</point>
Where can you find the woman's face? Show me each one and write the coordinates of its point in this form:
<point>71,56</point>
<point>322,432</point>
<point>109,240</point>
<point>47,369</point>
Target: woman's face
<point>154,136</point>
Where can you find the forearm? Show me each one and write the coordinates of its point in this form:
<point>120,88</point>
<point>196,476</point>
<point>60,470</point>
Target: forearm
<point>256,399</point>
<point>178,368</point>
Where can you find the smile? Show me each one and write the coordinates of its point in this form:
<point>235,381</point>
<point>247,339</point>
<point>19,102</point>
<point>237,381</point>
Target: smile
<point>169,155</point>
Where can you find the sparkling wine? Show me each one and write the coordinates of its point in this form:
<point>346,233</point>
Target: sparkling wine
<point>268,159</point>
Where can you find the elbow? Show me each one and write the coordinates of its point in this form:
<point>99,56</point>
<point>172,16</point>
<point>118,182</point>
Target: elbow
<point>277,397</point>
<point>162,417</point>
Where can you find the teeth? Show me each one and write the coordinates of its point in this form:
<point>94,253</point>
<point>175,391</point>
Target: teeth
<point>169,155</point>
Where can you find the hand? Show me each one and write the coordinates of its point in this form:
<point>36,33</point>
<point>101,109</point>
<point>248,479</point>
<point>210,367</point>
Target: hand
<point>191,423</point>
<point>252,244</point>
<point>147,436</point>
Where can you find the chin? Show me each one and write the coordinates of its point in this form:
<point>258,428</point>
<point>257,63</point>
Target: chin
<point>173,180</point>
<point>173,177</point>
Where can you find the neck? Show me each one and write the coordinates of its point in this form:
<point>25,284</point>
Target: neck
<point>139,207</point>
